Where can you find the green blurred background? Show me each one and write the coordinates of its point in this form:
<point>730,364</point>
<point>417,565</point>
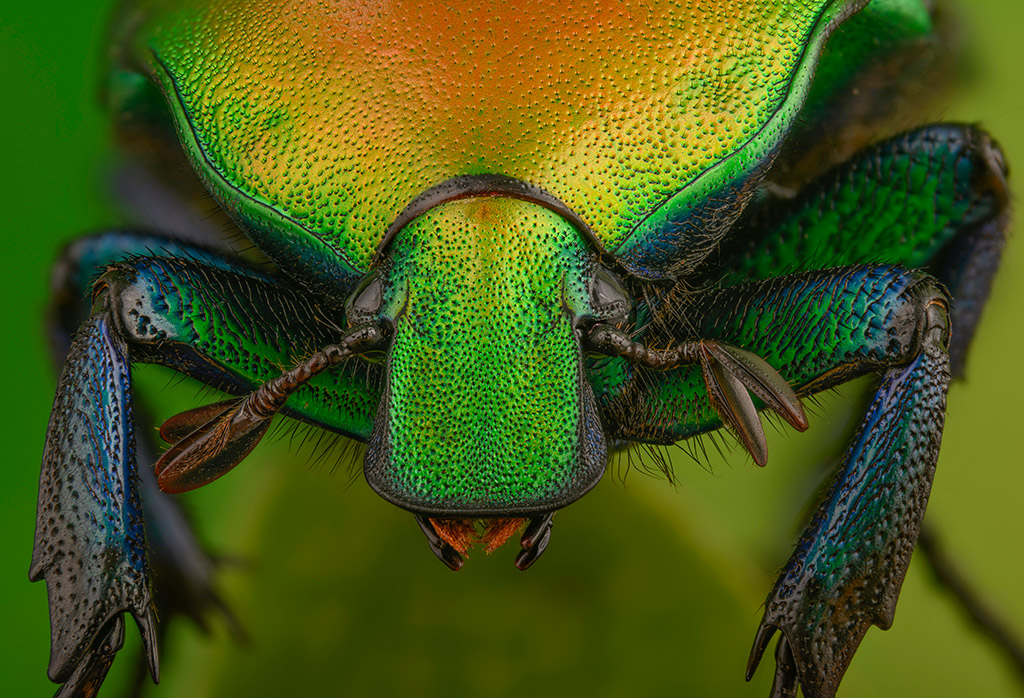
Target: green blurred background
<point>646,590</point>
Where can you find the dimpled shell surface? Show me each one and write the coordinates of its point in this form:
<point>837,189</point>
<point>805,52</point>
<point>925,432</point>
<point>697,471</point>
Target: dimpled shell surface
<point>486,409</point>
<point>315,123</point>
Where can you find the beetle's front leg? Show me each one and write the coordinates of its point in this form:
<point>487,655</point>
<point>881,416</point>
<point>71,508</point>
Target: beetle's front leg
<point>850,563</point>
<point>935,197</point>
<point>90,540</point>
<point>819,329</point>
<point>183,573</point>
<point>217,321</point>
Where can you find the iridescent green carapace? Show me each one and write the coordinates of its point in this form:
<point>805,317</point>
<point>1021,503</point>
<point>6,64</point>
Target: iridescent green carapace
<point>317,124</point>
<point>497,241</point>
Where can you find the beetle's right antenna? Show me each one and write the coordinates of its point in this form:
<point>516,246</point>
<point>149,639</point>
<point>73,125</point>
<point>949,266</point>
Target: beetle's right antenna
<point>730,374</point>
<point>211,440</point>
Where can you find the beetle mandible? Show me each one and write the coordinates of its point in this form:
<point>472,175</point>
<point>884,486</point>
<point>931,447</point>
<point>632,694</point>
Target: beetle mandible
<point>496,270</point>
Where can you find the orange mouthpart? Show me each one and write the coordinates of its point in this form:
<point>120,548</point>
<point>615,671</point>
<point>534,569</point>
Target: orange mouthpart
<point>462,534</point>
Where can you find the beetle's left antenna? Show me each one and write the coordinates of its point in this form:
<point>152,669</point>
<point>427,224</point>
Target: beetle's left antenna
<point>210,440</point>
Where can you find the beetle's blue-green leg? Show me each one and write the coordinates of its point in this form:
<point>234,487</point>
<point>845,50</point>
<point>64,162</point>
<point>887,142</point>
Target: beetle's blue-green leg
<point>235,329</point>
<point>932,198</point>
<point>819,329</point>
<point>90,540</point>
<point>90,537</point>
<point>967,267</point>
<point>946,187</point>
<point>83,260</point>
<point>850,563</point>
<point>101,357</point>
<point>182,572</point>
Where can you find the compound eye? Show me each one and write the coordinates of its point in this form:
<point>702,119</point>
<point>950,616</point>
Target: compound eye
<point>365,302</point>
<point>609,299</point>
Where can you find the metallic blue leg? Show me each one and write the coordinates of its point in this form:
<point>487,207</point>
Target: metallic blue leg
<point>90,538</point>
<point>850,563</point>
<point>91,546</point>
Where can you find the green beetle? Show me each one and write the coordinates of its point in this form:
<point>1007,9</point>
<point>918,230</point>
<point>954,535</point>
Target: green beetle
<point>496,243</point>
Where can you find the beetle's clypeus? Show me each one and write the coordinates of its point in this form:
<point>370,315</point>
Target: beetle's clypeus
<point>498,242</point>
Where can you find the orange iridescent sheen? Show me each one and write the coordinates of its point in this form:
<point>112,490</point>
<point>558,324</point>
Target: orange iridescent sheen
<point>335,116</point>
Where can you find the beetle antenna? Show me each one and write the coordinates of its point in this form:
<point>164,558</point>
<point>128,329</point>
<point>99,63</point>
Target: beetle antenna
<point>731,375</point>
<point>209,441</point>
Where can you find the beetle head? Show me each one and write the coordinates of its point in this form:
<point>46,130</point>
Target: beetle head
<point>486,408</point>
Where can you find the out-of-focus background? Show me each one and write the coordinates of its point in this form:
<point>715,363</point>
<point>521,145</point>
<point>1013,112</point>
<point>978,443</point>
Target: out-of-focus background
<point>646,589</point>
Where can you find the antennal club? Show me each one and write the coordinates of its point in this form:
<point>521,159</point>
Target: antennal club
<point>209,441</point>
